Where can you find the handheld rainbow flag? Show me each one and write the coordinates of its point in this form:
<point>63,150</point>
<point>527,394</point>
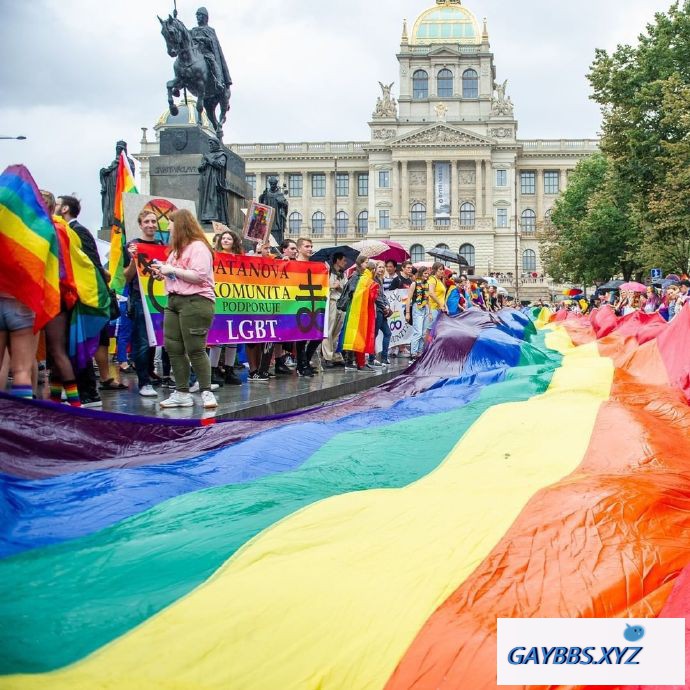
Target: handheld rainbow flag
<point>124,185</point>
<point>29,248</point>
<point>358,332</point>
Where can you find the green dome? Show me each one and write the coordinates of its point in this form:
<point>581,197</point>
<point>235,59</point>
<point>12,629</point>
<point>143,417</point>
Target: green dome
<point>446,22</point>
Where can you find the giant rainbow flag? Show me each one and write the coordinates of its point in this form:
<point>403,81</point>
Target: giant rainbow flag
<point>524,467</point>
<point>124,184</point>
<point>29,247</point>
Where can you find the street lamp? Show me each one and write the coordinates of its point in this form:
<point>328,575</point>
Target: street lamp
<point>21,137</point>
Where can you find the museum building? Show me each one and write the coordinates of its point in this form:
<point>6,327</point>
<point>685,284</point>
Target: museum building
<point>443,167</point>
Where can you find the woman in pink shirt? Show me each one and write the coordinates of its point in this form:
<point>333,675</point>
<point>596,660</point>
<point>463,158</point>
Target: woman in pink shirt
<point>189,281</point>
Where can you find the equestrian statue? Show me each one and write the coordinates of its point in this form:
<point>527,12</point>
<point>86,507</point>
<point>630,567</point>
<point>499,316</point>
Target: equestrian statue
<point>199,67</point>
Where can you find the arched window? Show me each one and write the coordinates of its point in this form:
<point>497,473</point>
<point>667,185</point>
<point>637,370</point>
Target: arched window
<point>418,215</point>
<point>467,253</point>
<point>529,260</point>
<point>363,223</point>
<point>470,84</point>
<point>417,253</point>
<point>441,245</point>
<point>341,223</point>
<point>467,215</point>
<point>547,215</point>
<point>295,223</point>
<point>318,222</point>
<point>445,83</point>
<point>420,85</point>
<point>528,220</point>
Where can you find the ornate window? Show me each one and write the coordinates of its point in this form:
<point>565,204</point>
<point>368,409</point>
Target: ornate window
<point>384,179</point>
<point>341,223</point>
<point>418,215</point>
<point>318,222</point>
<point>363,223</point>
<point>467,215</point>
<point>528,220</point>
<point>501,178</point>
<point>467,253</point>
<point>501,217</point>
<point>295,185</point>
<point>528,182</point>
<point>529,260</point>
<point>363,184</point>
<point>547,215</point>
<point>552,182</point>
<point>420,85</point>
<point>470,84</point>
<point>444,81</point>
<point>295,223</point>
<point>342,184</point>
<point>318,184</point>
<point>384,219</point>
<point>417,253</point>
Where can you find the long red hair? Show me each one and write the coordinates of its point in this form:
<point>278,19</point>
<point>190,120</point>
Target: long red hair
<point>186,231</point>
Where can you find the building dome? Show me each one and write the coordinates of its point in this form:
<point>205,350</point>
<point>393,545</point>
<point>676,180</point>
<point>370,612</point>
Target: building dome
<point>446,22</point>
<point>188,116</point>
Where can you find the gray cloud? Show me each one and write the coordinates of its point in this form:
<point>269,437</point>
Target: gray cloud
<point>75,76</point>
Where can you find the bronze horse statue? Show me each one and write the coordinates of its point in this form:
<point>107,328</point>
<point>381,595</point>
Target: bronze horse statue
<point>192,73</point>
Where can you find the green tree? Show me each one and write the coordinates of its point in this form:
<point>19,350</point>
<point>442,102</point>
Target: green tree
<point>592,235</point>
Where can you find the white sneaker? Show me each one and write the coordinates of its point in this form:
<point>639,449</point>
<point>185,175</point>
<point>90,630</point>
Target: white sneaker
<point>178,399</point>
<point>148,392</point>
<point>194,388</point>
<point>209,399</point>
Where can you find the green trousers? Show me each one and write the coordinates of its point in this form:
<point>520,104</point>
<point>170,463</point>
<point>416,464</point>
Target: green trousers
<point>185,326</point>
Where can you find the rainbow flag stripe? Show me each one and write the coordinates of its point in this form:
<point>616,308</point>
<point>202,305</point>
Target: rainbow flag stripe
<point>124,185</point>
<point>520,468</point>
<point>29,246</point>
<point>358,332</point>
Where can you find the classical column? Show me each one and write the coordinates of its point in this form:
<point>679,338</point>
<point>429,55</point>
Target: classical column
<point>489,189</point>
<point>540,194</point>
<point>454,193</point>
<point>306,204</point>
<point>405,195</point>
<point>395,191</point>
<point>331,204</point>
<point>479,190</point>
<point>352,203</point>
<point>430,193</point>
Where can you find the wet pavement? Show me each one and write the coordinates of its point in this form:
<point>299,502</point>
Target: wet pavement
<point>255,400</point>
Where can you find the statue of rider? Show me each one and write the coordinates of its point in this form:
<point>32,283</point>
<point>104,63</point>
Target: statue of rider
<point>207,43</point>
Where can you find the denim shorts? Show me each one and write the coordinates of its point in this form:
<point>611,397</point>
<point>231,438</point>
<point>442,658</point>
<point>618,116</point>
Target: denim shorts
<point>14,316</point>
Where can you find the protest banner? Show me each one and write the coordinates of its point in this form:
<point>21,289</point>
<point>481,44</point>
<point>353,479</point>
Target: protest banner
<point>401,331</point>
<point>258,299</point>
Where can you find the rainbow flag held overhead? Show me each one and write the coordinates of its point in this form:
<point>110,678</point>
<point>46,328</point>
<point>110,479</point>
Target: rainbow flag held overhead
<point>29,246</point>
<point>525,466</point>
<point>124,185</point>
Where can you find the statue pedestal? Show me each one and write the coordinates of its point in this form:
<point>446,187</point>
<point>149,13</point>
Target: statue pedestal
<point>175,171</point>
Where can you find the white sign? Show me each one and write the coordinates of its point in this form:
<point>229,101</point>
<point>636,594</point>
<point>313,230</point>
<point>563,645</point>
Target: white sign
<point>401,331</point>
<point>442,191</point>
<point>591,651</point>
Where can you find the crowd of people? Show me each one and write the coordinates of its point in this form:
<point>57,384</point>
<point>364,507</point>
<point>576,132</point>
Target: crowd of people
<point>357,333</point>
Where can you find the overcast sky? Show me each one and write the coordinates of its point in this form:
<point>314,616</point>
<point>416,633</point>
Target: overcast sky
<point>77,75</point>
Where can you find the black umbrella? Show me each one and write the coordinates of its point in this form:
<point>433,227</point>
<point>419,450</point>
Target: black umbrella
<point>611,285</point>
<point>447,255</point>
<point>327,253</point>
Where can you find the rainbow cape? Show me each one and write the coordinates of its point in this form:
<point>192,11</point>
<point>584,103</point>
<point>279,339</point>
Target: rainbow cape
<point>358,333</point>
<point>523,467</point>
<point>124,185</point>
<point>92,309</point>
<point>28,246</point>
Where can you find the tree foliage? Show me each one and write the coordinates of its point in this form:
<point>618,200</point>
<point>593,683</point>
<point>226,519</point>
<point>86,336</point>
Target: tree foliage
<point>643,92</point>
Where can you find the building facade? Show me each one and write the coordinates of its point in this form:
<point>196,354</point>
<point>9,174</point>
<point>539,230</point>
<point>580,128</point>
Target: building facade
<point>443,165</point>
